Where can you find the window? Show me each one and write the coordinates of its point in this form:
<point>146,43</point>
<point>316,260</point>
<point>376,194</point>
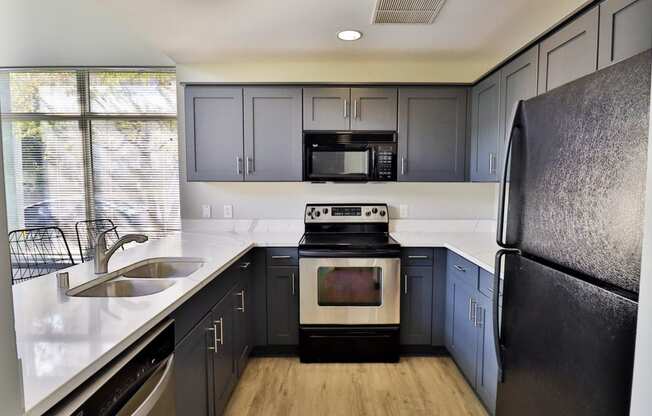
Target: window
<point>84,144</point>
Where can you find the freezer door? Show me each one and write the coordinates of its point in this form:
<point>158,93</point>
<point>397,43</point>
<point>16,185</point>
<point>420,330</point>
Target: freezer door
<point>577,176</point>
<point>567,346</point>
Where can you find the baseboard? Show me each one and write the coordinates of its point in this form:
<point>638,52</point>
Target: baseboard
<point>424,350</point>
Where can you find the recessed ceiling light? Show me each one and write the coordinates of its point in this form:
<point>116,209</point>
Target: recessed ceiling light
<point>349,35</point>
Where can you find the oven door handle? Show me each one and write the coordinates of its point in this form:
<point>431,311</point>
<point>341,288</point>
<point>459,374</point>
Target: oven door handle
<point>351,253</point>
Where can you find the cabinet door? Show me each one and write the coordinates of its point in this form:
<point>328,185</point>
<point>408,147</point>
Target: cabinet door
<point>570,53</point>
<point>326,108</point>
<point>518,81</point>
<point>625,30</point>
<point>485,129</point>
<point>431,134</point>
<point>416,305</point>
<point>463,333</point>
<point>214,133</point>
<point>283,305</point>
<point>224,371</point>
<point>373,108</point>
<point>194,370</point>
<point>486,382</point>
<point>242,319</point>
<point>272,127</point>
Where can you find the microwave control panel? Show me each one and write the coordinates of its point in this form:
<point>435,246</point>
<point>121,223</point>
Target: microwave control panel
<point>324,213</point>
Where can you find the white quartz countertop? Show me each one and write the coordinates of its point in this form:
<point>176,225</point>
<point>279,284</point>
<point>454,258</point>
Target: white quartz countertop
<point>63,340</point>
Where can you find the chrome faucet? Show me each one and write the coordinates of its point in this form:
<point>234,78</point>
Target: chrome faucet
<point>102,255</point>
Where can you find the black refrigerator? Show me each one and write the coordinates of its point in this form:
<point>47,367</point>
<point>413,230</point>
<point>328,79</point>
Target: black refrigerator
<point>570,223</point>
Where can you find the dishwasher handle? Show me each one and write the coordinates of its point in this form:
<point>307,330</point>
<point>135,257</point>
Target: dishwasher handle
<point>154,389</point>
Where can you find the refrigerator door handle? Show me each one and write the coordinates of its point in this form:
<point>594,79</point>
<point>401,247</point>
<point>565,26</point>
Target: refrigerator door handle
<point>500,223</point>
<point>495,310</point>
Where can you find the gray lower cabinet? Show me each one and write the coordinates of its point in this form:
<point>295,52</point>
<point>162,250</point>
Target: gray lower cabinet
<point>625,30</point>
<point>214,133</point>
<point>570,53</point>
<point>283,305</point>
<point>272,134</point>
<point>373,108</point>
<point>431,134</point>
<point>337,108</point>
<point>485,129</point>
<point>194,370</point>
<point>469,326</point>
<point>416,305</point>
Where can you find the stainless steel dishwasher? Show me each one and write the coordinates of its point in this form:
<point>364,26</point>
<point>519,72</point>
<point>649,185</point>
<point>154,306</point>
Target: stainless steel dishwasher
<point>140,382</point>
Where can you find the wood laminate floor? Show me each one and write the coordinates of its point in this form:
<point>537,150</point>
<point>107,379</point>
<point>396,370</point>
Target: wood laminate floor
<point>415,386</point>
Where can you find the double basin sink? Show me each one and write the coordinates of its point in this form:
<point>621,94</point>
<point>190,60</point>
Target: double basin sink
<point>139,279</point>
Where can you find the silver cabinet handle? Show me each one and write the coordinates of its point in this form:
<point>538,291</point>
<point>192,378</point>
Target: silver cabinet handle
<point>346,104</point>
<point>403,165</point>
<point>355,109</point>
<point>219,340</point>
<point>245,265</point>
<point>292,277</point>
<point>405,278</point>
<point>281,257</point>
<point>419,257</point>
<point>250,165</point>
<point>460,268</point>
<point>471,309</point>
<point>477,319</point>
<point>242,301</point>
<point>492,163</point>
<point>238,165</point>
<point>214,347</point>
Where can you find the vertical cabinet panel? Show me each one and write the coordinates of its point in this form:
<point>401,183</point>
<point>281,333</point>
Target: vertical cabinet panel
<point>570,53</point>
<point>272,120</point>
<point>283,305</point>
<point>194,371</point>
<point>326,108</point>
<point>214,133</point>
<point>224,365</point>
<point>373,108</point>
<point>416,305</point>
<point>485,129</point>
<point>438,296</point>
<point>486,383</point>
<point>431,134</point>
<point>625,30</point>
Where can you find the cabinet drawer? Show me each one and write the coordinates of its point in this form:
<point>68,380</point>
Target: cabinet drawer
<point>282,256</point>
<point>462,269</point>
<point>486,284</point>
<point>416,257</point>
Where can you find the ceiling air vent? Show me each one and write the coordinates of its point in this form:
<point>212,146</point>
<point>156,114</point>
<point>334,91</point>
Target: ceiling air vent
<point>407,11</point>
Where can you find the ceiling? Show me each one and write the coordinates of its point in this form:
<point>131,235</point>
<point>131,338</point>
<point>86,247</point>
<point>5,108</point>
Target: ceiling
<point>473,33</point>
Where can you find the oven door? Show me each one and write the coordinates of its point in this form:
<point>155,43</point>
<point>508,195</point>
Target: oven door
<point>339,163</point>
<point>349,291</point>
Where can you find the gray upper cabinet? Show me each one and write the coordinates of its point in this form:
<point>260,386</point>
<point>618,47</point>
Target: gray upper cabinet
<point>431,134</point>
<point>326,108</point>
<point>485,129</point>
<point>518,81</point>
<point>214,133</point>
<point>570,53</point>
<point>272,127</point>
<point>625,29</point>
<point>373,109</point>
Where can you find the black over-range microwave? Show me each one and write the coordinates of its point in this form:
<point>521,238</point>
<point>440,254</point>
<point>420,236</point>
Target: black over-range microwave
<point>349,156</point>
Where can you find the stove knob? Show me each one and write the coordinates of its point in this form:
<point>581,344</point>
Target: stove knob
<point>317,213</point>
<point>374,210</point>
<point>367,213</point>
<point>325,210</point>
<point>382,213</point>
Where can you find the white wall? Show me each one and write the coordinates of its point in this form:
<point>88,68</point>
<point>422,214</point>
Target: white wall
<point>642,388</point>
<point>69,33</point>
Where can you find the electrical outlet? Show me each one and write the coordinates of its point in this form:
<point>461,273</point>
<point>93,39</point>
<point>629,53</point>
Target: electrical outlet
<point>228,211</point>
<point>403,211</point>
<point>205,211</point>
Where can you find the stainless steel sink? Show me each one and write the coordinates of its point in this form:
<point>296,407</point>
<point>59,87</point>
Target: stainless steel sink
<point>170,268</point>
<point>125,288</point>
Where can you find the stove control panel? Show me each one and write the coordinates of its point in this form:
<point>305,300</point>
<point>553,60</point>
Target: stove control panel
<point>353,213</point>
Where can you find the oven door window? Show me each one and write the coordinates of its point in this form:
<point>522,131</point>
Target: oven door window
<point>349,286</point>
<point>340,163</point>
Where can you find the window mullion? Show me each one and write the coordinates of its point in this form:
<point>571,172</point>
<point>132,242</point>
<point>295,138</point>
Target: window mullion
<point>87,148</point>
